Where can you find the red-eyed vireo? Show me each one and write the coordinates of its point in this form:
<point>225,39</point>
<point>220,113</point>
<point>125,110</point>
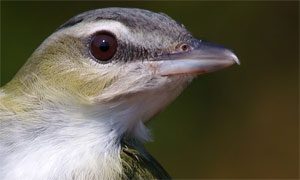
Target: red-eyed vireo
<point>76,110</point>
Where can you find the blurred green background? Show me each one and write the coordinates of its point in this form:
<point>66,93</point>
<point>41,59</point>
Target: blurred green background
<point>241,122</point>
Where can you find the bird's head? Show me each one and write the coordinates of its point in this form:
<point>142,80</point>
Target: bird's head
<point>119,63</point>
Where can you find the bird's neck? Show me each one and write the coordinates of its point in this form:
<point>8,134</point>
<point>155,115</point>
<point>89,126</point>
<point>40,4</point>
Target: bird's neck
<point>77,135</point>
<point>69,140</point>
<point>53,133</point>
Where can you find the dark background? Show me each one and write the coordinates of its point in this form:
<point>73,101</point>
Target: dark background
<point>241,122</point>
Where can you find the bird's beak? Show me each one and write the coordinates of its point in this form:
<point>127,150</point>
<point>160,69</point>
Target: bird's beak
<point>202,57</point>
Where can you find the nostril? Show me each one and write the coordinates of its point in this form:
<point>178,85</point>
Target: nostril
<point>184,47</point>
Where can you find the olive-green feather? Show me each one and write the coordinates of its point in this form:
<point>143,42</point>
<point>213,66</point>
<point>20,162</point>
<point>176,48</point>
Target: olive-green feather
<point>138,163</point>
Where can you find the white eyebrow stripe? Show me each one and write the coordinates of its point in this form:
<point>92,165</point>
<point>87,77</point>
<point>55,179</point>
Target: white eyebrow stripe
<point>121,31</point>
<point>85,29</point>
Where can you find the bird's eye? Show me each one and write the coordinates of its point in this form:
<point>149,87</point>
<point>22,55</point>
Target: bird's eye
<point>103,46</point>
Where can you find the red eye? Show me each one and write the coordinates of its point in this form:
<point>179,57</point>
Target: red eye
<point>103,46</point>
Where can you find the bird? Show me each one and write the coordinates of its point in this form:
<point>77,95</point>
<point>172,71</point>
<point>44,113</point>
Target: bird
<point>78,107</point>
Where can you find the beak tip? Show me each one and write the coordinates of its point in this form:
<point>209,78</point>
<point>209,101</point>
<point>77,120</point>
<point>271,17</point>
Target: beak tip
<point>235,58</point>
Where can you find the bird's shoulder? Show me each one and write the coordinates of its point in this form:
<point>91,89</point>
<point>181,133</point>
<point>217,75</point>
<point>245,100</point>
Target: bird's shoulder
<point>139,164</point>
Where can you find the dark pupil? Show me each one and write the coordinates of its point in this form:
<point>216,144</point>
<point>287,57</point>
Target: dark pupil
<point>104,46</point>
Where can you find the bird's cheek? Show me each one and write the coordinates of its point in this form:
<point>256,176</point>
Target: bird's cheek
<point>152,67</point>
<point>156,68</point>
